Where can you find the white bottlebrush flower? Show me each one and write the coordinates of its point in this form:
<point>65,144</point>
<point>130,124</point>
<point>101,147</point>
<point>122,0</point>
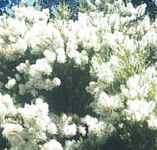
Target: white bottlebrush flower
<point>152,122</point>
<point>130,45</point>
<point>71,145</point>
<point>84,57</point>
<point>136,87</point>
<point>70,129</point>
<point>52,128</point>
<point>18,26</point>
<point>106,102</point>
<point>3,112</point>
<point>115,62</point>
<point>13,132</point>
<point>11,83</point>
<point>61,57</point>
<point>23,67</point>
<point>56,81</point>
<point>6,105</point>
<point>104,72</point>
<point>50,56</point>
<point>10,128</point>
<point>22,89</point>
<point>52,145</point>
<point>12,37</point>
<point>35,115</point>
<point>98,2</point>
<point>40,41</point>
<point>40,67</point>
<point>82,130</point>
<point>140,10</point>
<point>92,88</point>
<point>139,109</point>
<point>94,125</point>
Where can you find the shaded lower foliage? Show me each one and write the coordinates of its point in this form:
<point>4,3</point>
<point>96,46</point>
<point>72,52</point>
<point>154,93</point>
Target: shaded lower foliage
<point>133,136</point>
<point>114,143</point>
<point>70,96</point>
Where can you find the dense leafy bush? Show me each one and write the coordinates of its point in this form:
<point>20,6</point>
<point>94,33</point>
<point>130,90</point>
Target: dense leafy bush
<point>87,83</point>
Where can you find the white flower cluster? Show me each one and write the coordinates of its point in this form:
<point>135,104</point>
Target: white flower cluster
<point>94,125</point>
<point>30,126</point>
<point>114,43</point>
<point>26,127</point>
<point>140,93</point>
<point>52,145</point>
<point>68,128</point>
<point>35,74</point>
<point>12,37</point>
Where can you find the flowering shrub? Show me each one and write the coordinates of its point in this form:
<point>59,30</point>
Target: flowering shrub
<point>78,84</point>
